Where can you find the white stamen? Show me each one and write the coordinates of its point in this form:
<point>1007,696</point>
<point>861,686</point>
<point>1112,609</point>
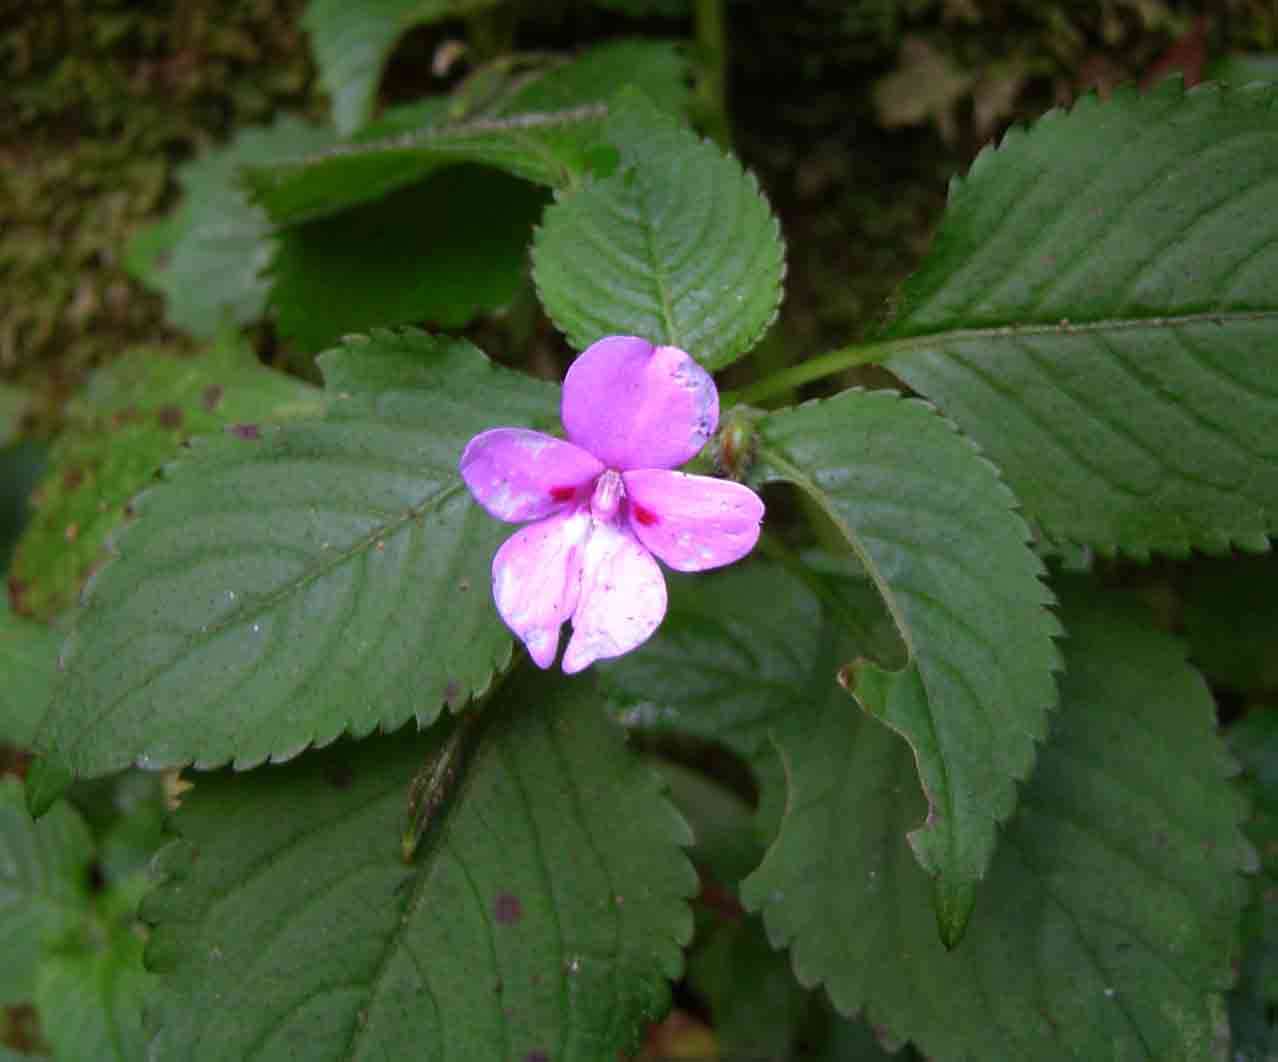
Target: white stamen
<point>609,491</point>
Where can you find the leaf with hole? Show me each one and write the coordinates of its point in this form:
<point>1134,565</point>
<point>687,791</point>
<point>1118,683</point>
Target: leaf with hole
<point>1099,313</point>
<point>678,245</point>
<point>1108,918</point>
<point>935,531</point>
<point>287,585</point>
<point>541,917</point>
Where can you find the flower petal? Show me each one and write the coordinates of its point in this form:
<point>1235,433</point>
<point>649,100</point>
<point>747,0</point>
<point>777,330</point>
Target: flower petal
<point>623,598</point>
<point>634,405</point>
<point>536,580</point>
<point>518,475</point>
<point>692,522</point>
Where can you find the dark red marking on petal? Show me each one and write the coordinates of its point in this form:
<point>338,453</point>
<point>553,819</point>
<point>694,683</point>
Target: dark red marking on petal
<point>562,494</point>
<point>645,516</point>
<point>507,909</point>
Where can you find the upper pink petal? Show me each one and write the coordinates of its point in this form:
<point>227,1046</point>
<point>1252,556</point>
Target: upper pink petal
<point>634,405</point>
<point>692,522</point>
<point>519,475</point>
<point>623,598</point>
<point>537,579</point>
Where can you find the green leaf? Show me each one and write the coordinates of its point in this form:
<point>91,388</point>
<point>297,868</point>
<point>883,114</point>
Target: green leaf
<point>286,586</point>
<point>549,149</point>
<point>541,918</point>
<point>440,251</point>
<point>28,666</point>
<point>756,1008</point>
<point>934,529</point>
<point>738,649</point>
<point>1099,313</point>
<point>1107,921</point>
<point>1254,740</point>
<point>1230,618</point>
<point>44,881</point>
<point>545,131</point>
<point>353,41</point>
<point>207,258</point>
<point>90,999</point>
<point>21,466</point>
<point>133,418</point>
<point>678,246</point>
<point>658,69</point>
<point>725,846</point>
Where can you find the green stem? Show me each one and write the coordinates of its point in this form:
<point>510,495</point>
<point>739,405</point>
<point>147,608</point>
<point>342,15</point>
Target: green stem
<point>815,369</point>
<point>712,46</point>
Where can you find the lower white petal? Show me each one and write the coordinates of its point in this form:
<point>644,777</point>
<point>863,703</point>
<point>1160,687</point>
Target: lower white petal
<point>622,599</point>
<point>537,578</point>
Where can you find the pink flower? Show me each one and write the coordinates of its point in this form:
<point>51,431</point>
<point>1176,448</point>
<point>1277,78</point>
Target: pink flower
<point>605,502</point>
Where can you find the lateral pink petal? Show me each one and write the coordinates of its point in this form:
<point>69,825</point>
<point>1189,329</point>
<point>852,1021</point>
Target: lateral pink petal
<point>634,405</point>
<point>518,475</point>
<point>537,580</point>
<point>692,522</point>
<point>623,598</point>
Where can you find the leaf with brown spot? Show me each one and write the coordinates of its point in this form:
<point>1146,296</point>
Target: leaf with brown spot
<point>503,916</point>
<point>131,419</point>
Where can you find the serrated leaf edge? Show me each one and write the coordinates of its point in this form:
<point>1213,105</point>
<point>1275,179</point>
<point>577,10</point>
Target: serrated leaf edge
<point>1048,601</point>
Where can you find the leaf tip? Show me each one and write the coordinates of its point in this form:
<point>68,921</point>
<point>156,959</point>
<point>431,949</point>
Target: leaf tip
<point>953,902</point>
<point>47,779</point>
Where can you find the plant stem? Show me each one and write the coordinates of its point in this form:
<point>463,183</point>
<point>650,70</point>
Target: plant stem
<point>712,49</point>
<point>814,369</point>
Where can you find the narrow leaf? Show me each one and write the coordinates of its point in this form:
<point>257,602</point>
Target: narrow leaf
<point>934,528</point>
<point>440,251</point>
<point>288,585</point>
<point>44,882</point>
<point>1107,921</point>
<point>353,41</point>
<point>541,917</point>
<point>1099,313</point>
<point>678,246</point>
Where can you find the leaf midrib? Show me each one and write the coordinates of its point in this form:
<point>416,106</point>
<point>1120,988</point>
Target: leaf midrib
<point>257,606</point>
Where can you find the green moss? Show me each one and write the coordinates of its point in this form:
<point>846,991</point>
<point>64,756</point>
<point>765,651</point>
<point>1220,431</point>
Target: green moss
<point>103,98</point>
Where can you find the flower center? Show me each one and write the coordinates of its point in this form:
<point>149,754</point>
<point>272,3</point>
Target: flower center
<point>609,491</point>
